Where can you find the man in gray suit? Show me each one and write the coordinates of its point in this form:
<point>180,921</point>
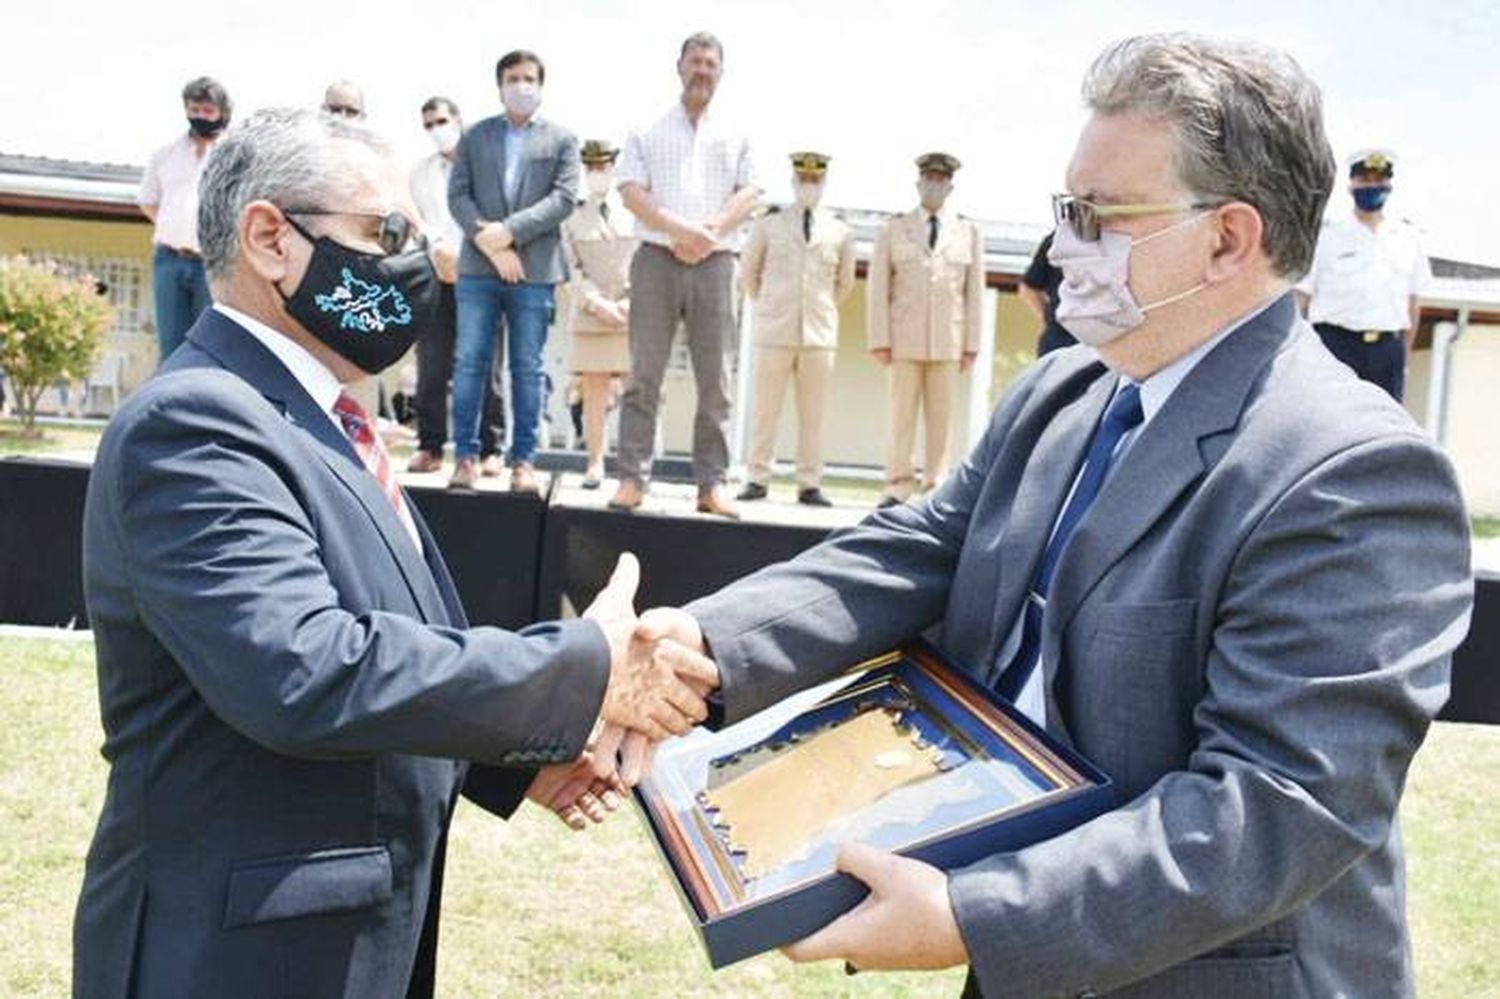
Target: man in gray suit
<point>1199,550</point>
<point>287,680</point>
<point>514,181</point>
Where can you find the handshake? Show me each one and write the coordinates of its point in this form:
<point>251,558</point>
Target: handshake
<point>659,683</point>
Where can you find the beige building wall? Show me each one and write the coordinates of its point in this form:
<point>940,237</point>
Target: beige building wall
<point>121,254</point>
<point>1473,417</point>
<point>857,425</point>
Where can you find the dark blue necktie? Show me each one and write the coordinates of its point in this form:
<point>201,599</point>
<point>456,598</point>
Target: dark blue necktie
<point>1123,415</point>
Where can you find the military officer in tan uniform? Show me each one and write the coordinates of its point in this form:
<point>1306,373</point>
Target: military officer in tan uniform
<point>599,252</point>
<point>926,287</point>
<point>797,266</point>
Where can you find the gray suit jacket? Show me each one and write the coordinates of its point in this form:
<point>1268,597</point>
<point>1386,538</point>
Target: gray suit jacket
<point>1250,631</point>
<point>547,195</point>
<point>286,688</point>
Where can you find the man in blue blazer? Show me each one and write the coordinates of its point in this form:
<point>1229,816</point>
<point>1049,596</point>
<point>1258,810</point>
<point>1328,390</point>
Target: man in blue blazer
<point>514,181</point>
<point>1196,548</point>
<point>288,685</point>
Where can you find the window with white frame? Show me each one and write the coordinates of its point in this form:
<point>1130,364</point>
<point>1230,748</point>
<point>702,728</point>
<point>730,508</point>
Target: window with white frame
<point>124,280</point>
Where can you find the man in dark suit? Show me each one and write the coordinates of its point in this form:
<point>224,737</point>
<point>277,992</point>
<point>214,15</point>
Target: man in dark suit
<point>1198,549</point>
<point>514,181</point>
<point>288,684</point>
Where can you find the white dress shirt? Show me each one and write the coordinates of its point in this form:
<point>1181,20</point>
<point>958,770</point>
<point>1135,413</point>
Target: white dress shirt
<point>1363,279</point>
<point>429,192</point>
<point>1155,391</point>
<point>690,171</point>
<point>316,380</point>
<point>171,184</point>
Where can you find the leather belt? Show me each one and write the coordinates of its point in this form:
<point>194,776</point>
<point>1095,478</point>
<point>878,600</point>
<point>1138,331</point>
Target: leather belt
<point>1365,336</point>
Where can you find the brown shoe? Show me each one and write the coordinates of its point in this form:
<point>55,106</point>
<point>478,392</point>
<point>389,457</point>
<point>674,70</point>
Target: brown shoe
<point>523,478</point>
<point>711,500</point>
<point>465,471</point>
<point>425,461</point>
<point>628,497</point>
<point>490,466</point>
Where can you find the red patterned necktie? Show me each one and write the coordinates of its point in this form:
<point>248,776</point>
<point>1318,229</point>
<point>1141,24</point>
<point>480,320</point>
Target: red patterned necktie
<point>361,433</point>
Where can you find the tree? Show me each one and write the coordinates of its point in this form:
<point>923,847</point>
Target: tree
<point>52,326</point>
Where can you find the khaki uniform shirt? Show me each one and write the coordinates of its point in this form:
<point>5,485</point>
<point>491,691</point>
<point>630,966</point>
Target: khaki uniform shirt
<point>797,284</point>
<point>925,304</point>
<point>599,257</point>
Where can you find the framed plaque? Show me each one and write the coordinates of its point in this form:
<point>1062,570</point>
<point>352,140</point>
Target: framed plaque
<point>906,753</point>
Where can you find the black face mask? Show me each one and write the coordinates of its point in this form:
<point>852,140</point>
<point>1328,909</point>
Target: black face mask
<point>366,307</point>
<point>206,128</point>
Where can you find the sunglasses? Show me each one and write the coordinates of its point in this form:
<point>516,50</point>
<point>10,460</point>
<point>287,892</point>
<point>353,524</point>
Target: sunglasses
<point>1087,217</point>
<point>395,233</point>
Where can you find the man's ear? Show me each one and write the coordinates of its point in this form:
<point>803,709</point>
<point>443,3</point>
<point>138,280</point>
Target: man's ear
<point>1237,239</point>
<point>264,241</point>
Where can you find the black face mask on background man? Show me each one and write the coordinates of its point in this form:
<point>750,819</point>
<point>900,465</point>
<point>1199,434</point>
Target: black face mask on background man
<point>368,308</point>
<point>206,128</point>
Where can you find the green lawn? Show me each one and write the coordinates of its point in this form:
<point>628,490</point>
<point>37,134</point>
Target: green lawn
<point>532,909</point>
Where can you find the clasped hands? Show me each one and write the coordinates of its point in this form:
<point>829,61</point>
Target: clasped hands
<point>498,244</point>
<point>659,682</point>
<point>694,242</point>
<point>660,678</point>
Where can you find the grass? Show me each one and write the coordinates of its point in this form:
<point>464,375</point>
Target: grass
<point>50,438</point>
<point>1485,527</point>
<point>531,909</point>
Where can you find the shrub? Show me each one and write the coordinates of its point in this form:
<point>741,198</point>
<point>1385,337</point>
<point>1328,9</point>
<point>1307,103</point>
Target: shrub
<point>52,326</point>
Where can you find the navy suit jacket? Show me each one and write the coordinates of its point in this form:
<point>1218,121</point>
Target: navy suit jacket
<point>547,195</point>
<point>287,687</point>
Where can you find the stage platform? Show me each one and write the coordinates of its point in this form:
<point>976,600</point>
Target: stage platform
<point>518,558</point>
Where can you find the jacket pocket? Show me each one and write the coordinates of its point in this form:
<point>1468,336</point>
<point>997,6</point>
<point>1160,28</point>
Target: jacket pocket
<point>307,884</point>
<point>1158,618</point>
<point>1270,974</point>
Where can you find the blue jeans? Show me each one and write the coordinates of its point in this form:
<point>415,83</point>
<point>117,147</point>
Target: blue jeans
<point>483,301</point>
<point>181,292</point>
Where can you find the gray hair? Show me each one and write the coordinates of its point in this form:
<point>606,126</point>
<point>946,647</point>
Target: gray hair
<point>1249,125</point>
<point>701,40</point>
<point>282,155</point>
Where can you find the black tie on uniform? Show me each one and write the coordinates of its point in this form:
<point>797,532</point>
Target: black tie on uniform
<point>807,225</point>
<point>604,210</point>
<point>932,227</point>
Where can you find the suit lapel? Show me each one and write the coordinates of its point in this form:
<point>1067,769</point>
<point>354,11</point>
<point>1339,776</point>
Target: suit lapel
<point>1164,460</point>
<point>439,570</point>
<point>1050,469</point>
<point>238,351</point>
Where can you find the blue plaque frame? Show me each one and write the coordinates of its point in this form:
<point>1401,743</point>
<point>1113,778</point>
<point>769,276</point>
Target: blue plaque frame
<point>1031,788</point>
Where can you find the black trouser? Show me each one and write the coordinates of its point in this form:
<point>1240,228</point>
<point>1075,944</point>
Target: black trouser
<point>1377,356</point>
<point>435,369</point>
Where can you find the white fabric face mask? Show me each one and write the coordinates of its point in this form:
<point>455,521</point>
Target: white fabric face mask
<point>597,183</point>
<point>808,194</point>
<point>1094,301</point>
<point>934,194</point>
<point>521,98</point>
<point>445,136</point>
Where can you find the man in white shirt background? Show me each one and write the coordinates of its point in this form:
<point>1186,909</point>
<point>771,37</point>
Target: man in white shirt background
<point>429,192</point>
<point>1361,293</point>
<point>690,182</point>
<point>169,198</point>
